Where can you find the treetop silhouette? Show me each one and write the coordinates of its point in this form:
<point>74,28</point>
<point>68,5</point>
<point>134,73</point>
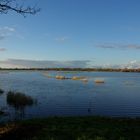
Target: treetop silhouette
<point>18,7</point>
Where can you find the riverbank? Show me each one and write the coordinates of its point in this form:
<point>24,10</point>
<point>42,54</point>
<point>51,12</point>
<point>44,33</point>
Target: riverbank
<point>72,128</point>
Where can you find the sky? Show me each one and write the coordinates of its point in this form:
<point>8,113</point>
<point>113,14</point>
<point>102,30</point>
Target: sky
<point>72,33</point>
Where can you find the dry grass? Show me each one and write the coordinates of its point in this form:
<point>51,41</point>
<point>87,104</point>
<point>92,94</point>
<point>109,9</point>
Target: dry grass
<point>99,81</point>
<point>78,78</point>
<point>60,77</point>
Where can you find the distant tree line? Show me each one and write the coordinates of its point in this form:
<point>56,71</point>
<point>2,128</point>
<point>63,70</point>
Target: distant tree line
<point>77,69</point>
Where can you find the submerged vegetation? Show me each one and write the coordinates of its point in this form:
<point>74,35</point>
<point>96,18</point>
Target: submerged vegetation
<point>72,128</point>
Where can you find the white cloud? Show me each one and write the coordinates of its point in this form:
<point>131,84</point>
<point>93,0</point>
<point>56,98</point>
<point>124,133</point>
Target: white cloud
<point>9,29</point>
<point>61,39</point>
<point>134,64</point>
<point>2,49</point>
<point>6,32</point>
<point>118,46</point>
<point>133,61</point>
<point>21,63</point>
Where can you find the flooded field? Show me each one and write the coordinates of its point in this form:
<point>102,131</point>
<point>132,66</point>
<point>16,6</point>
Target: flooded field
<point>45,94</point>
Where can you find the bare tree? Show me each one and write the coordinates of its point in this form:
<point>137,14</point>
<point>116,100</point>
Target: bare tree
<point>15,5</point>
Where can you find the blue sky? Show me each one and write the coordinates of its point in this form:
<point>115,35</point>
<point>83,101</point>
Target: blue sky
<point>96,32</point>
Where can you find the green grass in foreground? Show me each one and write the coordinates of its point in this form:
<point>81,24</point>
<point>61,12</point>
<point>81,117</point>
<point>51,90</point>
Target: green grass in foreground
<point>72,128</point>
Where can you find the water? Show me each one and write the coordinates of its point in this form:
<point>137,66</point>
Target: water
<point>119,96</point>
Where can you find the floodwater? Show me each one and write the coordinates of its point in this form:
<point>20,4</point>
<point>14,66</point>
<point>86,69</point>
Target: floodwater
<point>118,96</point>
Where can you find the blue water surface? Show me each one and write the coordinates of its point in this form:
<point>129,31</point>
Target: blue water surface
<point>119,96</point>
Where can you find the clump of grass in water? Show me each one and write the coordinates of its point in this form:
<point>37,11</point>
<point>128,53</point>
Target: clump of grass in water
<point>1,91</point>
<point>19,100</point>
<point>78,78</point>
<point>1,112</point>
<point>60,77</point>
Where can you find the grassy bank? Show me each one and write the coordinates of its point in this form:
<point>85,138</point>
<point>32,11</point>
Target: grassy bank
<point>72,128</point>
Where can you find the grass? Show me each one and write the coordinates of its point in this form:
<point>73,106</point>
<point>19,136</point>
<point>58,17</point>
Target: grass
<point>73,128</point>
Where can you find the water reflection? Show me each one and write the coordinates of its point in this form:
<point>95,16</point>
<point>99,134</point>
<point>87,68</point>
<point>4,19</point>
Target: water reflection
<point>2,110</point>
